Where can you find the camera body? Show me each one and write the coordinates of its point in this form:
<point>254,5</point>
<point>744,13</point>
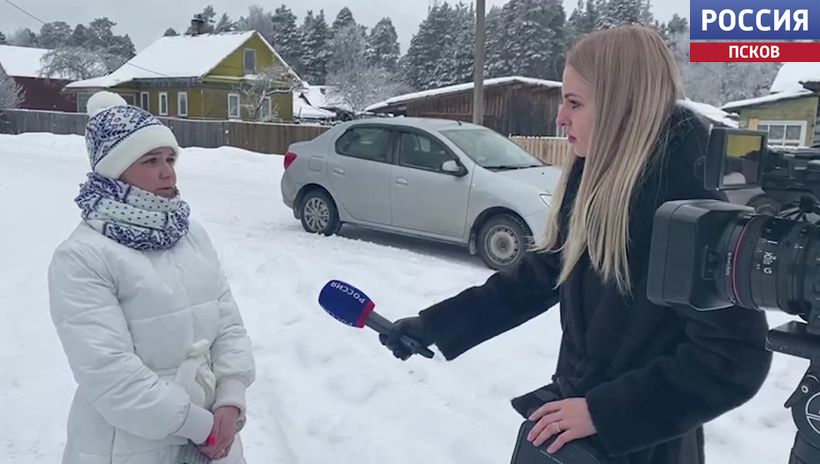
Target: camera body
<point>711,254</point>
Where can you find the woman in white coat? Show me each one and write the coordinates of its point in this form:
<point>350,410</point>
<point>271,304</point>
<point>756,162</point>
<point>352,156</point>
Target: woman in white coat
<point>143,310</point>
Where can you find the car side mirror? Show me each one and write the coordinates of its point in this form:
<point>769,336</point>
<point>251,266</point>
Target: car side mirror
<point>453,167</point>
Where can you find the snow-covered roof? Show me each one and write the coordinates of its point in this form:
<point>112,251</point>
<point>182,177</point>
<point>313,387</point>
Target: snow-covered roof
<point>767,99</point>
<point>21,61</point>
<point>322,96</point>
<point>712,113</point>
<point>175,57</point>
<point>304,110</point>
<point>791,76</point>
<point>461,88</point>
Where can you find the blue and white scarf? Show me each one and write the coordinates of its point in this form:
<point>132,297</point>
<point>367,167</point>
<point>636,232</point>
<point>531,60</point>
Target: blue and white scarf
<point>131,216</point>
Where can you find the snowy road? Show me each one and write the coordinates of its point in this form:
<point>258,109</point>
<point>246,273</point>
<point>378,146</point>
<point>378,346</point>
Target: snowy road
<point>325,392</point>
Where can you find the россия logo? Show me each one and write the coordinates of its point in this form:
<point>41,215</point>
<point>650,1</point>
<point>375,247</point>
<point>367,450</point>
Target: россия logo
<point>754,30</point>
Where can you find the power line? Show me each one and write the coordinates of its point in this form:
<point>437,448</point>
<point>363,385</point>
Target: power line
<point>24,11</point>
<point>44,23</point>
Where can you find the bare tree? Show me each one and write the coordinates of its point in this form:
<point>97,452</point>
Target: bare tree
<point>363,85</point>
<point>254,91</point>
<point>11,94</point>
<point>76,63</point>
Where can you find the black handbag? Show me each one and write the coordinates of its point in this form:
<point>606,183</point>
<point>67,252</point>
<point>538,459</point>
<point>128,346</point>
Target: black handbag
<point>583,451</point>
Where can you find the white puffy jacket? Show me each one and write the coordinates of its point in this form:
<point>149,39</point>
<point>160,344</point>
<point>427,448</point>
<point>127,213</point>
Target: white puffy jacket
<point>155,342</point>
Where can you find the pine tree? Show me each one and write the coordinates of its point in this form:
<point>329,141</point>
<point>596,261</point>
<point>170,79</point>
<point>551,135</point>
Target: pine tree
<point>383,46</point>
<point>23,38</point>
<point>532,39</point>
<point>79,36</point>
<point>677,25</point>
<point>54,35</point>
<point>429,47</point>
<point>170,32</point>
<point>224,24</point>
<point>461,56</point>
<point>343,19</point>
<point>645,15</point>
<point>99,33</point>
<point>582,21</point>
<point>316,38</point>
<point>2,38</point>
<point>497,63</point>
<point>348,49</point>
<point>286,37</point>
<point>257,20</point>
<point>614,13</point>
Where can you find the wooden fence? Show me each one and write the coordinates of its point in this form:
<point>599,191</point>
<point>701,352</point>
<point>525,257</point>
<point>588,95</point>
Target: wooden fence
<point>551,150</point>
<point>258,137</point>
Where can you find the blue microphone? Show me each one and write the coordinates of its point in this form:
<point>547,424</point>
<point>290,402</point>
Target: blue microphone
<point>352,307</point>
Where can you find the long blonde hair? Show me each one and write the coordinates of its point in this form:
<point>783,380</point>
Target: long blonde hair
<point>635,82</point>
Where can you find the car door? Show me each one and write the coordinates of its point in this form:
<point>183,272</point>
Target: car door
<point>359,173</point>
<point>424,197</point>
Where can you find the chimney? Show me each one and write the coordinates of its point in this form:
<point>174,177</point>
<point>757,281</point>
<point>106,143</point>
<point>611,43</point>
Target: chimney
<point>197,24</point>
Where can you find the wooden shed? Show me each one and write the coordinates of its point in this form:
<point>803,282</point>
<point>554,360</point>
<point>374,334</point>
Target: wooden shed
<point>513,105</point>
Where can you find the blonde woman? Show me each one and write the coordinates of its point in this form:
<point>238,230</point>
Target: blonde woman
<point>637,378</point>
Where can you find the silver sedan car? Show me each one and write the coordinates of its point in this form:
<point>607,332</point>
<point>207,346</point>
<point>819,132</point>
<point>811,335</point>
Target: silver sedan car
<point>436,179</point>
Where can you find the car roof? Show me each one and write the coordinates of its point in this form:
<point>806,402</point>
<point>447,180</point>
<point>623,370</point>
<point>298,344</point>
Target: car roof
<point>417,123</point>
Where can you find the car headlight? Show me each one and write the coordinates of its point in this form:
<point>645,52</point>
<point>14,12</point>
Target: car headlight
<point>546,198</point>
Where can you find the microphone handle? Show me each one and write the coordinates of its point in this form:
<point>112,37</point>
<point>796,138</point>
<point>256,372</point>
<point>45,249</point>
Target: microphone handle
<point>383,326</point>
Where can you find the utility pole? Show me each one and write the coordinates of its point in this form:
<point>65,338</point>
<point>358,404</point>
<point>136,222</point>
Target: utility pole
<point>478,78</point>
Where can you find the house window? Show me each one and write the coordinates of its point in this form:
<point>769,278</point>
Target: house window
<point>182,104</point>
<point>265,110</point>
<point>82,102</point>
<point>233,106</point>
<point>130,99</point>
<point>784,133</point>
<point>163,103</point>
<point>250,61</point>
<point>145,101</point>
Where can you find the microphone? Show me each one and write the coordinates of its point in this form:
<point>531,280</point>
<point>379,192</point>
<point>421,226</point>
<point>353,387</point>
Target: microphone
<point>352,307</point>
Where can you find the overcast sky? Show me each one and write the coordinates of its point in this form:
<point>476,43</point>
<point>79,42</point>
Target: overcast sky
<point>146,20</point>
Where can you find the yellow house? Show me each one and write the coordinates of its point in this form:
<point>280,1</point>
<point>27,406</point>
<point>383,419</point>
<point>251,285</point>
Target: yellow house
<point>235,75</point>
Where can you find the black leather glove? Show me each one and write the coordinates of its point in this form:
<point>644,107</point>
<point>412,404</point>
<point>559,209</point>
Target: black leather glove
<point>412,330</point>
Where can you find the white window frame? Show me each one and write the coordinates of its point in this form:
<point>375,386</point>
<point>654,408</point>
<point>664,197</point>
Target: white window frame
<point>238,113</point>
<point>163,96</point>
<point>782,142</point>
<point>145,97</point>
<point>266,105</point>
<point>180,97</point>
<point>245,61</point>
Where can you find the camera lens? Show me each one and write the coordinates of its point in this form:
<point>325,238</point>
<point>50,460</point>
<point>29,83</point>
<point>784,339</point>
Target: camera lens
<point>765,262</point>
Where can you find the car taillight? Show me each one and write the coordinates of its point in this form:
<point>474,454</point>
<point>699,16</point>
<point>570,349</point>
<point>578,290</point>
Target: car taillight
<point>289,159</point>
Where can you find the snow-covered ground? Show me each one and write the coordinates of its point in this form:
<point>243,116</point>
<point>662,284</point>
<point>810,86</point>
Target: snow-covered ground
<point>325,392</point>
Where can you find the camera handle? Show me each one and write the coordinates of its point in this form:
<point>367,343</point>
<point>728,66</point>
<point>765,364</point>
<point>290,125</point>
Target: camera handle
<point>805,406</point>
<point>794,339</point>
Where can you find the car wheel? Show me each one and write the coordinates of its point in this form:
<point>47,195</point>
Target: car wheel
<point>502,241</point>
<point>319,214</point>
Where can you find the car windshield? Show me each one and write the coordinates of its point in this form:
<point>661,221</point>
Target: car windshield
<point>491,150</point>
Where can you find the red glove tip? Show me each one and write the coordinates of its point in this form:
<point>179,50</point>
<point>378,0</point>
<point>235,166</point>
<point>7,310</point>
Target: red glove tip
<point>211,439</point>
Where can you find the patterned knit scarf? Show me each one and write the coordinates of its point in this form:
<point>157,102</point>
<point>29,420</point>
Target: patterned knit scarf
<point>131,216</point>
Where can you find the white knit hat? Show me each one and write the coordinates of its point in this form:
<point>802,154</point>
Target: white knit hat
<point>118,134</point>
